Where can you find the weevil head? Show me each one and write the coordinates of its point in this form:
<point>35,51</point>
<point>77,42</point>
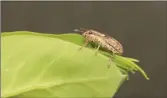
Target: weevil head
<point>84,32</point>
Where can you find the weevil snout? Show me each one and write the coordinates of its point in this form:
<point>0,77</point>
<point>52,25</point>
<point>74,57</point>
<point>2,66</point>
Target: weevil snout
<point>80,30</point>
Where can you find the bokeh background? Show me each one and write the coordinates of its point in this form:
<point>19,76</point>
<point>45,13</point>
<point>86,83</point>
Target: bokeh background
<point>139,26</point>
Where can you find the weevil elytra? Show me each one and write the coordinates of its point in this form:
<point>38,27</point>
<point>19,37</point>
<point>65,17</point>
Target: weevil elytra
<point>102,40</point>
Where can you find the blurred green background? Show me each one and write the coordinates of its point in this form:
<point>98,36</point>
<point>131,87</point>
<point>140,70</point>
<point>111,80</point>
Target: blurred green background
<point>139,26</point>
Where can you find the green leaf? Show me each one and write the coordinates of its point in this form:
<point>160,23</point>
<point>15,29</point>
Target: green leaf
<point>125,64</point>
<point>47,65</point>
<point>129,64</point>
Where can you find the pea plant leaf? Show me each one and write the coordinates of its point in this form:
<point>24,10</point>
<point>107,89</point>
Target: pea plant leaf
<point>47,65</point>
<point>125,64</point>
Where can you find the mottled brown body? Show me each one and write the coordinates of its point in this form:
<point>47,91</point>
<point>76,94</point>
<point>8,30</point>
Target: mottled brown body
<point>104,41</point>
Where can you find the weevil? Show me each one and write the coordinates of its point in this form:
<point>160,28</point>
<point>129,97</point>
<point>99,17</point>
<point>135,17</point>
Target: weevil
<point>102,40</point>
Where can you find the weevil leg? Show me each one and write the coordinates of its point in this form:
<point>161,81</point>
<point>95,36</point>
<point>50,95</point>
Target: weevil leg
<point>84,45</point>
<point>96,52</point>
<point>110,61</point>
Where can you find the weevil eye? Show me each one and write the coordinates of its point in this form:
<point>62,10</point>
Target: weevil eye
<point>90,32</point>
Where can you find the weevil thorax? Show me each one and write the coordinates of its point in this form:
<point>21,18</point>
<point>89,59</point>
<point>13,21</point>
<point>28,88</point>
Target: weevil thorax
<point>91,35</point>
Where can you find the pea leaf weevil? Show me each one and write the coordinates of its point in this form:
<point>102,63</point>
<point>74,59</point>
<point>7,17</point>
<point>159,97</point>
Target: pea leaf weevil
<point>102,40</point>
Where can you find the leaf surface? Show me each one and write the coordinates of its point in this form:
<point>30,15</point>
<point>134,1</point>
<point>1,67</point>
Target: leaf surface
<point>46,65</point>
